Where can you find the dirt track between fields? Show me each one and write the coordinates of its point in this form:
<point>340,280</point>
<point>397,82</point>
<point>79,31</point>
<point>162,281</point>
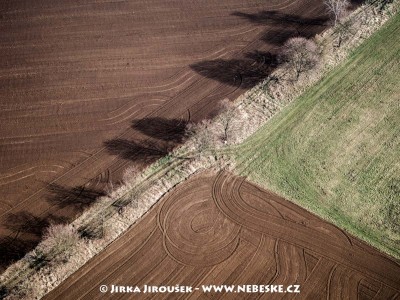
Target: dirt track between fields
<point>224,230</point>
<point>81,82</point>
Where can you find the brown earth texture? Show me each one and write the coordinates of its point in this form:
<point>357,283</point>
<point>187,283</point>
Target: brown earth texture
<point>221,229</point>
<point>88,88</point>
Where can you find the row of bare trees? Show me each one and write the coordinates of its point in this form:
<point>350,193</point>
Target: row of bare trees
<point>298,55</point>
<point>301,54</point>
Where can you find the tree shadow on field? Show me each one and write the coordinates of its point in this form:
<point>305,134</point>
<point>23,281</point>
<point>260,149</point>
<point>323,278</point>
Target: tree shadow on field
<point>27,230</point>
<point>356,3</point>
<point>277,18</point>
<point>257,65</point>
<point>168,130</point>
<point>278,37</point>
<point>285,26</point>
<point>142,152</point>
<point>78,198</point>
<point>244,73</point>
<point>13,249</point>
<point>25,222</point>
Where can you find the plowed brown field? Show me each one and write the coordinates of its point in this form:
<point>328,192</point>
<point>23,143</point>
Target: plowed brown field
<point>223,230</point>
<point>81,83</point>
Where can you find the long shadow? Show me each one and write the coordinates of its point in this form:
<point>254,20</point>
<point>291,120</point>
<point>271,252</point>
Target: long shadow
<point>13,249</point>
<point>248,71</point>
<point>25,222</point>
<point>278,18</point>
<point>278,37</point>
<point>77,198</point>
<point>142,152</point>
<point>284,26</point>
<point>27,230</point>
<point>356,3</point>
<point>274,17</point>
<point>244,73</point>
<point>169,130</point>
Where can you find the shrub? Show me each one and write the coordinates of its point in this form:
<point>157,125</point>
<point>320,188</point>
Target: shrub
<point>59,239</point>
<point>300,55</point>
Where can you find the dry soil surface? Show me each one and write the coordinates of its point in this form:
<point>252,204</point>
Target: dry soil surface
<point>90,87</point>
<point>224,230</point>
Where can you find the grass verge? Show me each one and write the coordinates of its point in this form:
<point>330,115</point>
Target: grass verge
<point>336,149</point>
<point>57,257</point>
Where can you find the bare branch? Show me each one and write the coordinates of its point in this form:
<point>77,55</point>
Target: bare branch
<point>201,134</point>
<point>226,117</point>
<point>337,8</point>
<point>300,55</point>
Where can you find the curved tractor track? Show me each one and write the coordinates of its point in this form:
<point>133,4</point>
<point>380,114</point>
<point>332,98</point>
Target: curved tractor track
<point>76,76</point>
<point>224,230</point>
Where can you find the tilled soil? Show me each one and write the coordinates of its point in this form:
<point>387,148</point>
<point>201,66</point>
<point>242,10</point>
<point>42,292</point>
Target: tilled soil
<point>214,230</point>
<point>88,88</point>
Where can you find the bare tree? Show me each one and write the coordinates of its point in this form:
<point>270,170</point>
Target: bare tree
<point>209,134</point>
<point>337,8</point>
<point>130,174</point>
<point>59,238</point>
<point>226,117</point>
<point>300,54</point>
<point>201,134</point>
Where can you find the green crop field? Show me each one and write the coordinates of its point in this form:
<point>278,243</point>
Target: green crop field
<point>336,149</point>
